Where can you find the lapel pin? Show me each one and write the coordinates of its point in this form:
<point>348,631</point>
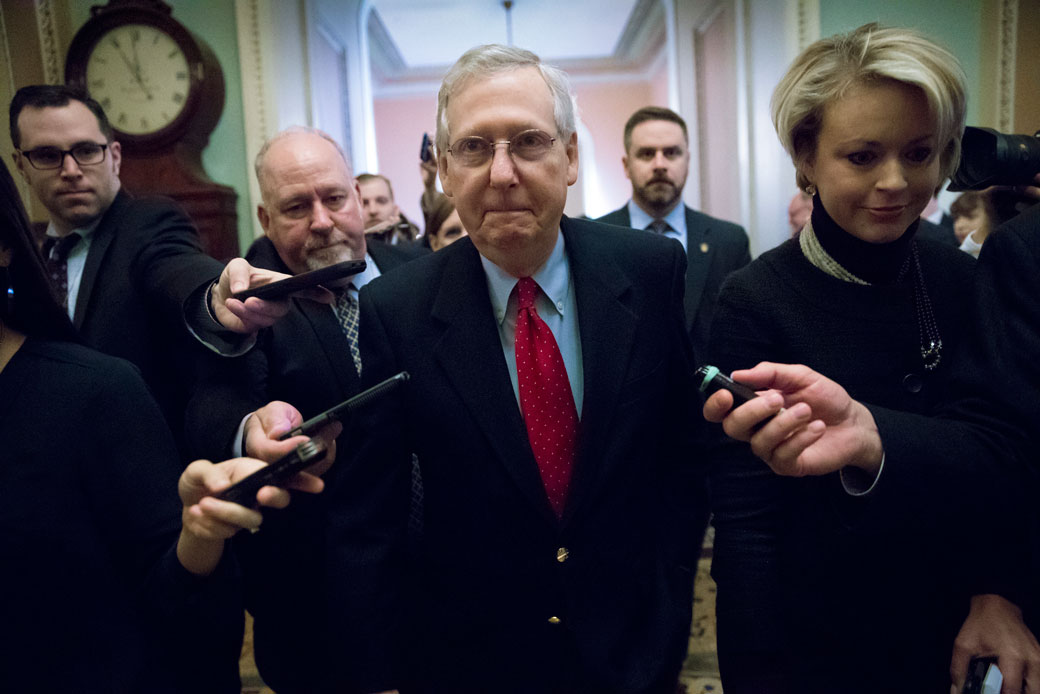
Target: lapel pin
<point>704,248</point>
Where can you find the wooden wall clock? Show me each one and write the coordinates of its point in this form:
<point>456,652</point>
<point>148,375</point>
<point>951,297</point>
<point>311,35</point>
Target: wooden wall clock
<point>163,91</point>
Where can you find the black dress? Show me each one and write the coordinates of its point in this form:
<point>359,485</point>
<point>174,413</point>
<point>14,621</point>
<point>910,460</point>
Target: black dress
<point>93,597</point>
<point>820,591</point>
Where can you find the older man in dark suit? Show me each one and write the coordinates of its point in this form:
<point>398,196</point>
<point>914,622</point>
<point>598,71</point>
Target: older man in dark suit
<point>550,410</point>
<point>657,161</point>
<point>305,363</point>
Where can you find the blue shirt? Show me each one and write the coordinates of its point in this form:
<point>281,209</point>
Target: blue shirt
<point>556,305</point>
<point>676,219</point>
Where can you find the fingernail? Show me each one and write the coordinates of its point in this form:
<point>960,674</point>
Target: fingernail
<point>774,399</point>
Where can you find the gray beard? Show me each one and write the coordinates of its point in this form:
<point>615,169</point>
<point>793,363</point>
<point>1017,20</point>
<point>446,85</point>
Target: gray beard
<point>328,256</point>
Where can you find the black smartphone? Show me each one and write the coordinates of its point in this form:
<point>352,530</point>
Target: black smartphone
<point>712,380</point>
<point>348,405</point>
<point>426,151</point>
<point>276,474</point>
<point>984,677</point>
<point>305,280</point>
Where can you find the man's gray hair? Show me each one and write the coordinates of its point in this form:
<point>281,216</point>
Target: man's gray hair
<point>484,61</point>
<point>258,163</point>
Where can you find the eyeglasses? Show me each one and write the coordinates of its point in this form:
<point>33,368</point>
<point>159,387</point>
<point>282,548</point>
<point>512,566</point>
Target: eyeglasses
<point>84,154</point>
<point>530,145</point>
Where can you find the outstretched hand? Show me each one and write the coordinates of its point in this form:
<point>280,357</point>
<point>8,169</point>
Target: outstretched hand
<point>247,317</point>
<point>206,522</point>
<point>803,423</point>
<point>275,419</point>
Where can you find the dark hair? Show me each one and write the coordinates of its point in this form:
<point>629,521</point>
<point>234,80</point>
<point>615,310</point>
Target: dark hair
<point>53,96</point>
<point>33,310</point>
<point>967,201</point>
<point>366,177</point>
<point>440,210</point>
<point>652,113</point>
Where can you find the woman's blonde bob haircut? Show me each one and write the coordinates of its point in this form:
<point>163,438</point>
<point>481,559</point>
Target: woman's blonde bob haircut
<point>825,71</point>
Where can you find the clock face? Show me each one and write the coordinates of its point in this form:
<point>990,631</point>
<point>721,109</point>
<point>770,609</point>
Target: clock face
<point>140,76</point>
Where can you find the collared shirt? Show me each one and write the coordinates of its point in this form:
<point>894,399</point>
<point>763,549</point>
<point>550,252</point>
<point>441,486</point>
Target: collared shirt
<point>676,220</point>
<point>76,261</point>
<point>356,283</point>
<point>362,278</point>
<point>556,305</point>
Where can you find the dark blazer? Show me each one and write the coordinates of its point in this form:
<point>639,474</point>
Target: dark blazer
<point>1007,313</point>
<point>715,248</point>
<point>503,596</point>
<point>937,232</point>
<point>144,261</point>
<point>304,359</point>
<point>89,522</point>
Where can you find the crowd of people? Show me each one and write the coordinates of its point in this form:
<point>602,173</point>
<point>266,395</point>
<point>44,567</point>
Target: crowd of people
<point>526,514</point>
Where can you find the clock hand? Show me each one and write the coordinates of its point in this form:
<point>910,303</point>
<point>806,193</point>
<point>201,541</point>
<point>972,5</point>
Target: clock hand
<point>134,70</point>
<point>129,65</point>
<point>137,68</point>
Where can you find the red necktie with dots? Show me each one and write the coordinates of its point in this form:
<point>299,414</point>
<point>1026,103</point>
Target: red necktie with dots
<point>546,400</point>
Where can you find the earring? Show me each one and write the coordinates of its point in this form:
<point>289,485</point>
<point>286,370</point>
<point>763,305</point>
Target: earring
<point>7,290</point>
<point>810,189</point>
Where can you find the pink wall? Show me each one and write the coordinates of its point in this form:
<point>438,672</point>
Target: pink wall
<point>400,123</point>
<point>603,108</point>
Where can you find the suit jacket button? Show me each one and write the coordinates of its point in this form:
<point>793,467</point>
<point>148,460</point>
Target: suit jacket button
<point>561,554</point>
<point>554,620</point>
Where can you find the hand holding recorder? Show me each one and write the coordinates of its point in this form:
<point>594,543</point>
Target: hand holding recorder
<point>813,426</point>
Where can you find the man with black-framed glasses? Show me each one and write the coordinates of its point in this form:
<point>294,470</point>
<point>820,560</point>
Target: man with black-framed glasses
<point>124,266</point>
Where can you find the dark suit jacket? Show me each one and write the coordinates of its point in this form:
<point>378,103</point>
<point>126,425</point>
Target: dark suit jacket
<point>144,261</point>
<point>937,232</point>
<point>1007,313</point>
<point>304,359</point>
<point>495,568</point>
<point>715,248</point>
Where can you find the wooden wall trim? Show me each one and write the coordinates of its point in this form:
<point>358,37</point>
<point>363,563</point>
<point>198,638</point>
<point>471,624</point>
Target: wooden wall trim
<point>251,51</point>
<point>50,54</point>
<point>1007,48</point>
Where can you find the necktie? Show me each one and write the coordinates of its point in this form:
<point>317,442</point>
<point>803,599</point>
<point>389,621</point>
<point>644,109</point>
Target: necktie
<point>346,310</point>
<point>659,226</point>
<point>56,255</point>
<point>546,400</point>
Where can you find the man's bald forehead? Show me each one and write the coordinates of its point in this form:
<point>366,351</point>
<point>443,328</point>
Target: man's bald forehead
<point>289,137</point>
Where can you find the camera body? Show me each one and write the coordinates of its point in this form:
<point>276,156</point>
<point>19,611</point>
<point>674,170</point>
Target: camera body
<point>990,158</point>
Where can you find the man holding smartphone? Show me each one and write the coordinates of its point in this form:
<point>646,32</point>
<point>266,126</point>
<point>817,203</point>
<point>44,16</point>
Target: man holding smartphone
<point>305,363</point>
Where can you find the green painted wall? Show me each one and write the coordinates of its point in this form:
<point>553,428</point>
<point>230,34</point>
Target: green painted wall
<point>225,157</point>
<point>955,25</point>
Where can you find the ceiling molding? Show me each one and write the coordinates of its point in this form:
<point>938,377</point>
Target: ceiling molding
<point>386,62</point>
<point>644,35</point>
<point>638,49</point>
